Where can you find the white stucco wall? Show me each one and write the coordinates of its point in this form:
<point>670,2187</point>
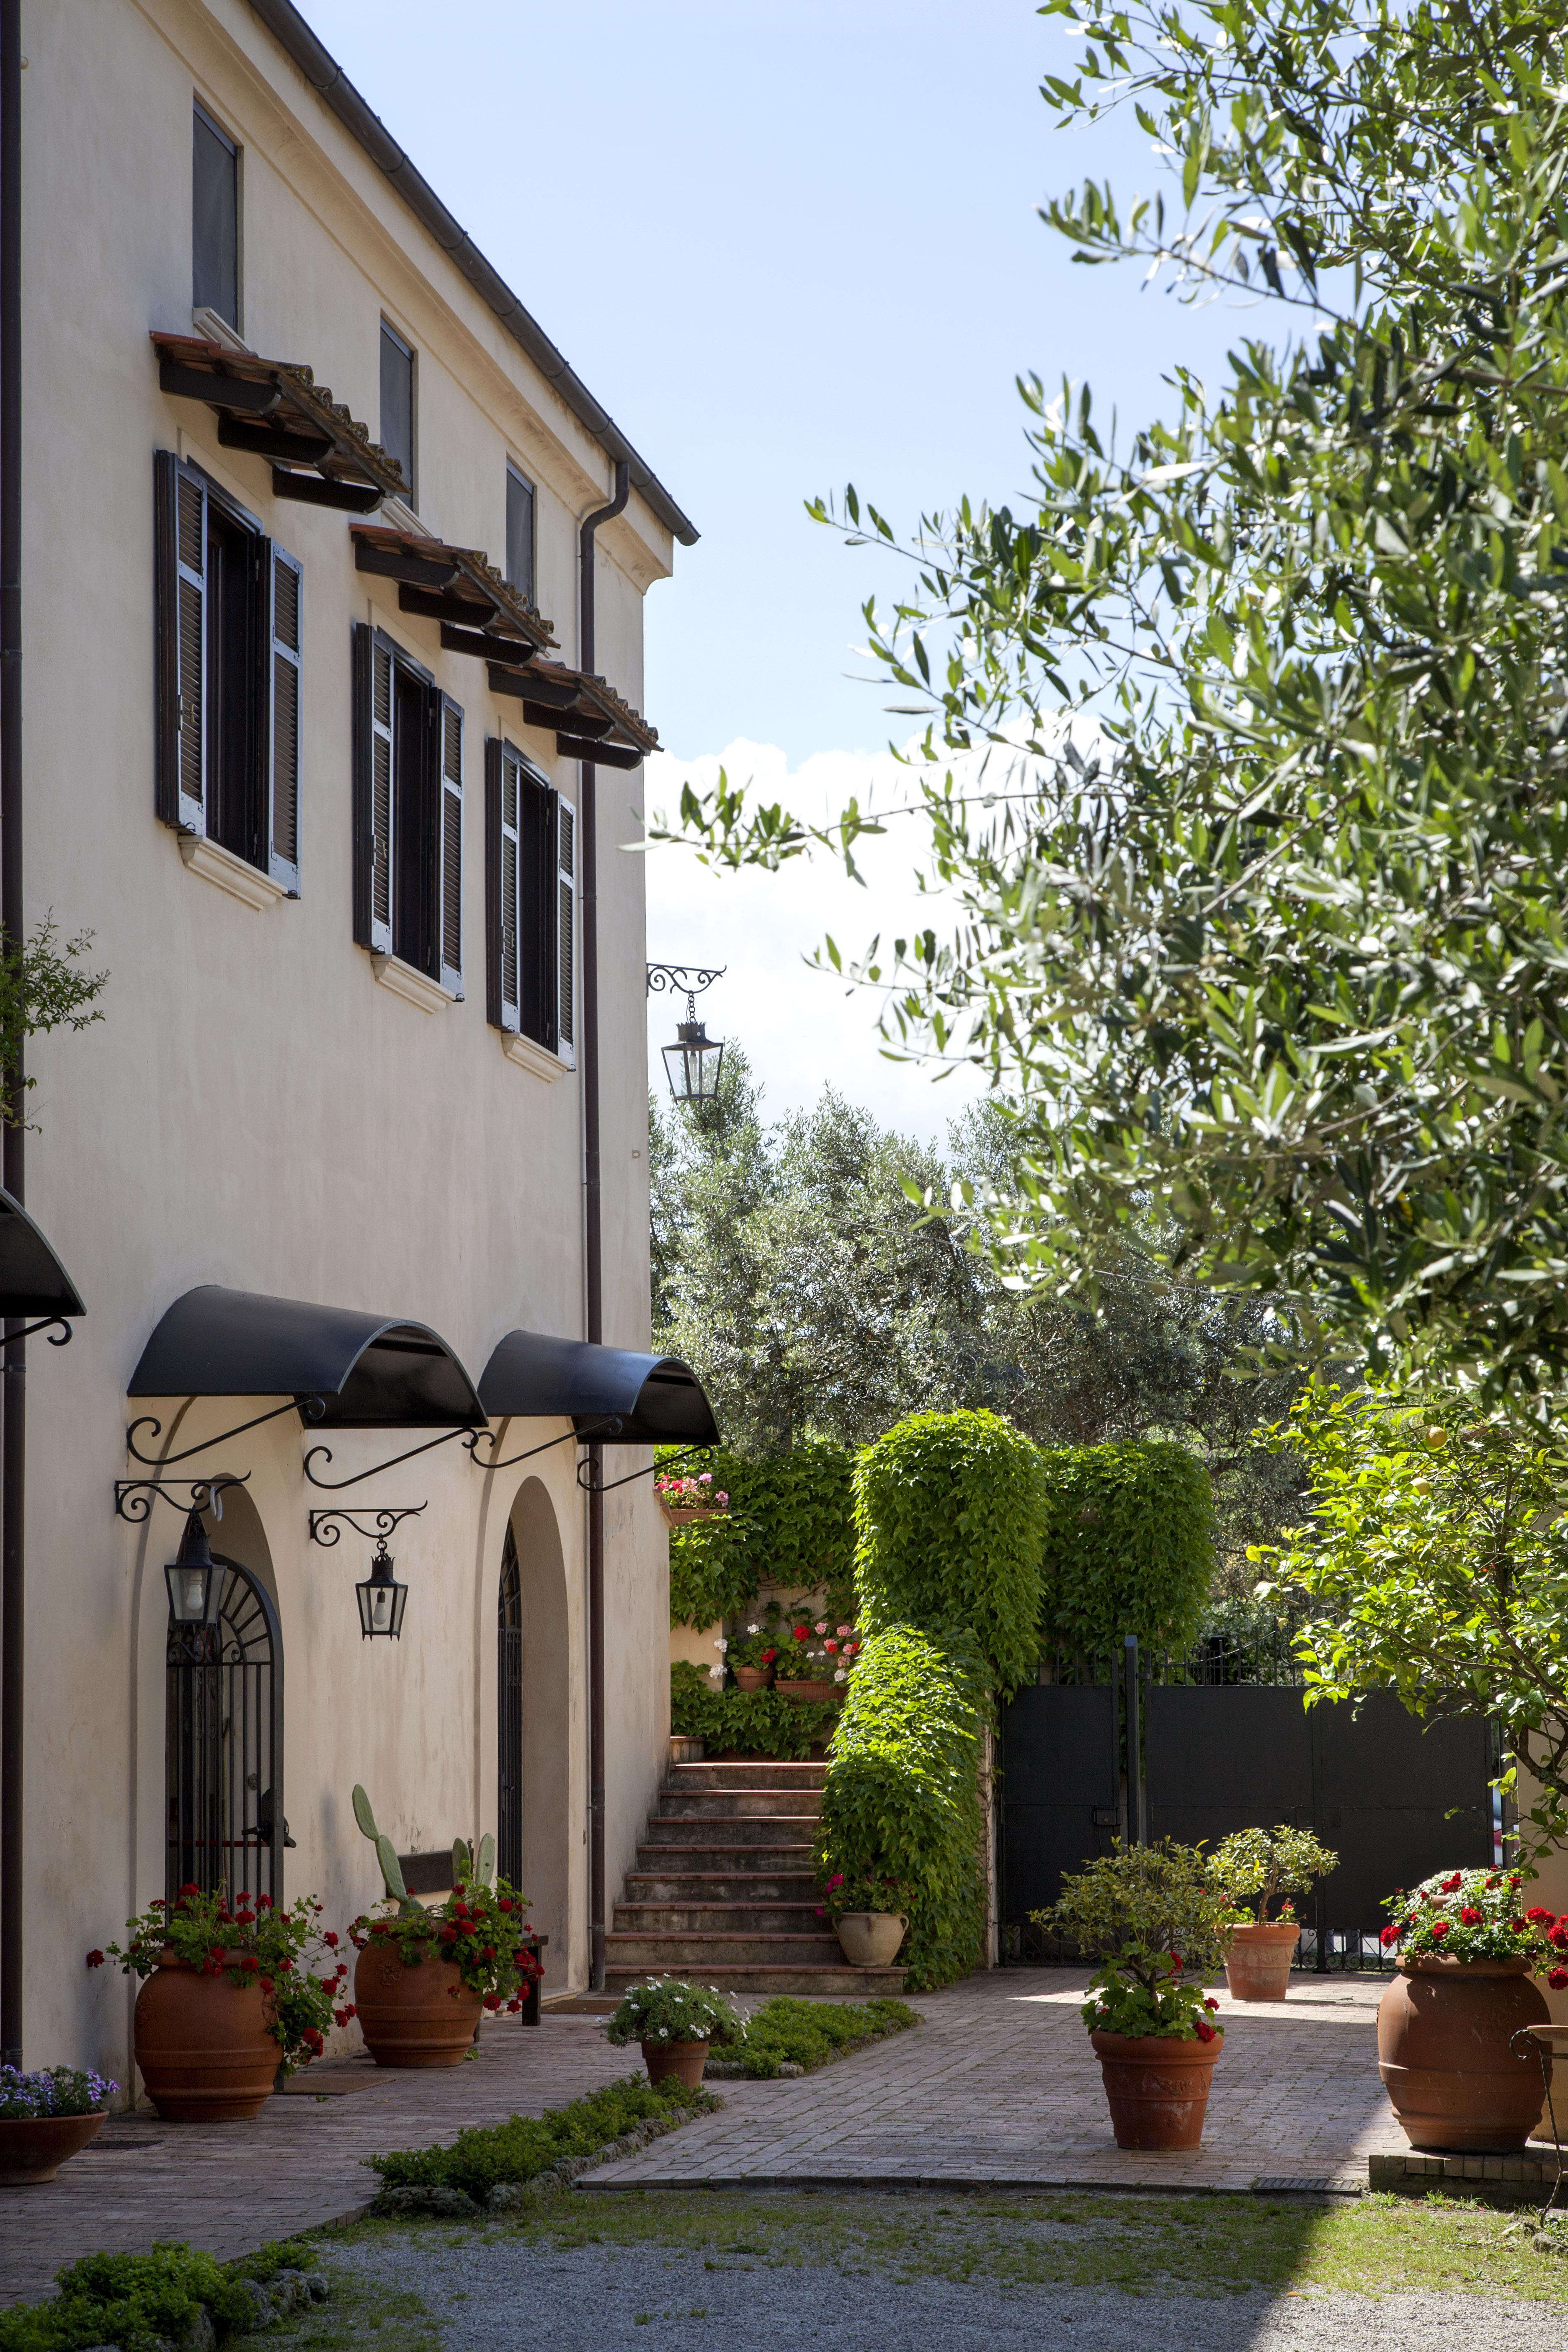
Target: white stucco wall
<point>255,1109</point>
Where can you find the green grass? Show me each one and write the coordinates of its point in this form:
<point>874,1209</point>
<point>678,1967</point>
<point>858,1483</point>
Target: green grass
<point>1140,2244</point>
<point>809,2032</point>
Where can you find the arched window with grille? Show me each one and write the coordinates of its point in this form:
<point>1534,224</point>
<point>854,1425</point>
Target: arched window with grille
<point>224,1745</point>
<point>509,1716</point>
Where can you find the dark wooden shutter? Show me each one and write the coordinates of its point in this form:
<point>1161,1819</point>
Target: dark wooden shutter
<point>449,848</point>
<point>565,931</point>
<point>374,787</point>
<point>180,604</point>
<point>282,702</point>
<point>503,784</point>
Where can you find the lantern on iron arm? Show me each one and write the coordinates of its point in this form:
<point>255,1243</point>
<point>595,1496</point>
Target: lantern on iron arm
<point>692,1063</point>
<point>193,1578</point>
<point>381,1598</point>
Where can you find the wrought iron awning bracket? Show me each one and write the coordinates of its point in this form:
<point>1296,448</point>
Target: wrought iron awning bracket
<point>611,1428</point>
<point>611,1484</point>
<point>134,1498</point>
<point>314,1405</point>
<point>326,1534</point>
<point>335,1486</point>
<point>45,1323</point>
<point>682,979</point>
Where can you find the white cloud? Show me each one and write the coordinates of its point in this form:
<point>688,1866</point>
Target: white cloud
<point>801,1028</point>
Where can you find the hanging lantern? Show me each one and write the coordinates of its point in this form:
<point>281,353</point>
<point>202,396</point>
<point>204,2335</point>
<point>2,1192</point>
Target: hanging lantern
<point>691,1064</point>
<point>381,1598</point>
<point>194,1579</point>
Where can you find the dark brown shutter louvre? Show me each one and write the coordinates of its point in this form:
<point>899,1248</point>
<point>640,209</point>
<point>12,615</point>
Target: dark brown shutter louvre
<point>180,510</point>
<point>371,789</point>
<point>449,812</point>
<point>503,781</point>
<point>566,930</point>
<point>283,640</point>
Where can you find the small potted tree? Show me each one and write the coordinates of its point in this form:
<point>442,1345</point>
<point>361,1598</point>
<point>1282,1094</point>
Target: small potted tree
<point>1259,1867</point>
<point>46,2117</point>
<point>1153,1917</point>
<point>867,1915</point>
<point>675,2024</point>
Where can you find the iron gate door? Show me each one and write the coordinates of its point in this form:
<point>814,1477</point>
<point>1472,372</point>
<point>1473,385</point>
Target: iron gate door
<point>1398,1799</point>
<point>1059,1789</point>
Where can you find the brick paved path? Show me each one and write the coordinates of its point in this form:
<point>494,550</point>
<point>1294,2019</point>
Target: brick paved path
<point>999,2084</point>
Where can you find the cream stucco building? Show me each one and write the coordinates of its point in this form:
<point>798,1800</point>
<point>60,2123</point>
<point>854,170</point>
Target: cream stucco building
<point>311,769</point>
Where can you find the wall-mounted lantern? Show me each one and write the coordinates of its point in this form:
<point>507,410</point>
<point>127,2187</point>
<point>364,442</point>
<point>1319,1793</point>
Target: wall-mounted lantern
<point>692,1063</point>
<point>381,1598</point>
<point>194,1579</point>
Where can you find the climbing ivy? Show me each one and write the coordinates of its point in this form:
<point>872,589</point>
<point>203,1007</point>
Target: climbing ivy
<point>1129,1545</point>
<point>754,1723</point>
<point>902,1798</point>
<point>949,1511</point>
<point>790,1520</point>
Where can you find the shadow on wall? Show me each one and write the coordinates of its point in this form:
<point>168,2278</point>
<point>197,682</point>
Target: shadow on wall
<point>542,1751</point>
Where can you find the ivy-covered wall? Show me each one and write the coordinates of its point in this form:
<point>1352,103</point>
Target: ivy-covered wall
<point>791,1522</point>
<point>1128,1543</point>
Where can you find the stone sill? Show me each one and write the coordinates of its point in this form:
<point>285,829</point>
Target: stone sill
<point>536,1058</point>
<point>416,988</point>
<point>236,874</point>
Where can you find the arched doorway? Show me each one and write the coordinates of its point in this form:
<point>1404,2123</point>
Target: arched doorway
<point>535,1720</point>
<point>508,1715</point>
<point>223,1744</point>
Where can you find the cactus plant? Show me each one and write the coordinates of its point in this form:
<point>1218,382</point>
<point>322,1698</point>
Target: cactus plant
<point>486,1869</point>
<point>466,1871</point>
<point>385,1854</point>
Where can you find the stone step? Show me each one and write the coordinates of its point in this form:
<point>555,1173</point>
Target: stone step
<point>734,1833</point>
<point>747,1776</point>
<point>693,1955</point>
<point>739,1919</point>
<point>732,1885</point>
<point>743,1799</point>
<point>823,1982</point>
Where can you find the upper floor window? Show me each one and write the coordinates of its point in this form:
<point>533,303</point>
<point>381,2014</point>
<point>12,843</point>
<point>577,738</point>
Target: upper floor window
<point>215,220</point>
<point>531,879</point>
<point>227,608</point>
<point>408,812</point>
<point>519,531</point>
<point>397,403</point>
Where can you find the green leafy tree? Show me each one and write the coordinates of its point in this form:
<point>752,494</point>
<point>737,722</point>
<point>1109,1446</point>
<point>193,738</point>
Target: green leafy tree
<point>1246,749</point>
<point>43,986</point>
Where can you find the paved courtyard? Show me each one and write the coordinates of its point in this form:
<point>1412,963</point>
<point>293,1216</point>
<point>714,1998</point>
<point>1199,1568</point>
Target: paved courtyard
<point>997,2085</point>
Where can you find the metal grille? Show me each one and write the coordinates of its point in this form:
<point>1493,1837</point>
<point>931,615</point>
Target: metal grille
<point>224,1745</point>
<point>509,1716</point>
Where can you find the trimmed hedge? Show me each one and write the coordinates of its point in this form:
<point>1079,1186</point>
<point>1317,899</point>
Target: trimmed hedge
<point>902,1794</point>
<point>950,1510</point>
<point>1129,1545</point>
<point>143,2300</point>
<point>755,1723</point>
<point>522,2148</point>
<point>791,1520</point>
<point>788,2032</point>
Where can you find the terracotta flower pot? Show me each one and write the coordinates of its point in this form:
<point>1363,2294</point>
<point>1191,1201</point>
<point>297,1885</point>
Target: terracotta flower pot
<point>684,2060</point>
<point>751,1678</point>
<point>1443,2032</point>
<point>870,1939</point>
<point>422,2016</point>
<point>1158,2088</point>
<point>686,1515</point>
<point>1257,1965</point>
<point>34,2147</point>
<point>793,1686</point>
<point>203,2045</point>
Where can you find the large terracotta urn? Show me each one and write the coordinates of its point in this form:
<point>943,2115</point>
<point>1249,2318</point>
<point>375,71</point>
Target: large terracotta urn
<point>683,2059</point>
<point>203,2045</point>
<point>1157,2088</point>
<point>1443,2033</point>
<point>1258,1962</point>
<point>420,2016</point>
<point>34,2147</point>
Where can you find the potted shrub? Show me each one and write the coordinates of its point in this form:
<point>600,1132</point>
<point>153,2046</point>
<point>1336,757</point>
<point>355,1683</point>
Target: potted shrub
<point>1152,1915</point>
<point>1257,1867</point>
<point>684,1501</point>
<point>45,2118</point>
<point>424,1975</point>
<point>867,1917</point>
<point>674,2022</point>
<point>815,1659</point>
<point>754,1656</point>
<point>229,1998</point>
<point>1468,1945</point>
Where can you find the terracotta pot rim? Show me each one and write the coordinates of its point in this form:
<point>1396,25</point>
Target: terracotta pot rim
<point>657,2046</point>
<point>1269,1930</point>
<point>1157,2046</point>
<point>1439,1964</point>
<point>15,2123</point>
<point>169,1959</point>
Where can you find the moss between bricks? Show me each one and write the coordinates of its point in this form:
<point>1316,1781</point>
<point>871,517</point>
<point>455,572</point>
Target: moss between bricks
<point>172,2298</point>
<point>499,2166</point>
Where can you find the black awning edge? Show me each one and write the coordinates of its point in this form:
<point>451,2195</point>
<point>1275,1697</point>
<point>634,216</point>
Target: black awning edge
<point>371,1371</point>
<point>32,1279</point>
<point>658,1399</point>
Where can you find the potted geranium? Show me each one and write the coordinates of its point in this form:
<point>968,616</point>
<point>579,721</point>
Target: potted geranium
<point>229,1998</point>
<point>424,1975</point>
<point>866,1908</point>
<point>1468,1944</point>
<point>674,2022</point>
<point>684,1501</point>
<point>1259,1867</point>
<point>1153,1917</point>
<point>752,1657</point>
<point>46,2117</point>
<point>815,1659</point>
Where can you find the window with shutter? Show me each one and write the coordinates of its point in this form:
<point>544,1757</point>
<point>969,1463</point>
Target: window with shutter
<point>503,876</point>
<point>408,812</point>
<point>180,606</point>
<point>566,930</point>
<point>285,583</point>
<point>449,814</point>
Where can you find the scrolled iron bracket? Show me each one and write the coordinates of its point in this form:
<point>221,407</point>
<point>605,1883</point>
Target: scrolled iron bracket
<point>314,1406</point>
<point>609,1484</point>
<point>325,1533</point>
<point>45,1323</point>
<point>477,1437</point>
<point>682,979</point>
<point>134,1498</point>
<point>335,1486</point>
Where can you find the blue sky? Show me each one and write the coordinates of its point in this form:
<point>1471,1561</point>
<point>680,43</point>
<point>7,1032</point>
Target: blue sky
<point>786,247</point>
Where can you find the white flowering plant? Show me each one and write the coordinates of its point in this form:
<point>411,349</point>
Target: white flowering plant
<point>669,2010</point>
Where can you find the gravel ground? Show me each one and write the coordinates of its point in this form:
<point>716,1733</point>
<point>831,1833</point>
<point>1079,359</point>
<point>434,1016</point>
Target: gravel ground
<point>512,2296</point>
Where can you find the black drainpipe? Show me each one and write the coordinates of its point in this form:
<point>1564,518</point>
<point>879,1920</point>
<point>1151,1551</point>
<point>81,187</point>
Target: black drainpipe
<point>13,1413</point>
<point>594,1270</point>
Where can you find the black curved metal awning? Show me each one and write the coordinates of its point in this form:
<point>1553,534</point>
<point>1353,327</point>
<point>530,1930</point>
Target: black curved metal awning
<point>370,1372</point>
<point>32,1279</point>
<point>658,1399</point>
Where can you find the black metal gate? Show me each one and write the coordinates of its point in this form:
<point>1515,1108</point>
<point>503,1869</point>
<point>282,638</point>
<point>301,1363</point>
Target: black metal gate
<point>1397,1797</point>
<point>224,1745</point>
<point>508,1717</point>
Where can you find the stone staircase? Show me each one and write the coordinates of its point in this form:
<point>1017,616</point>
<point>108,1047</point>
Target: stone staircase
<point>723,1890</point>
